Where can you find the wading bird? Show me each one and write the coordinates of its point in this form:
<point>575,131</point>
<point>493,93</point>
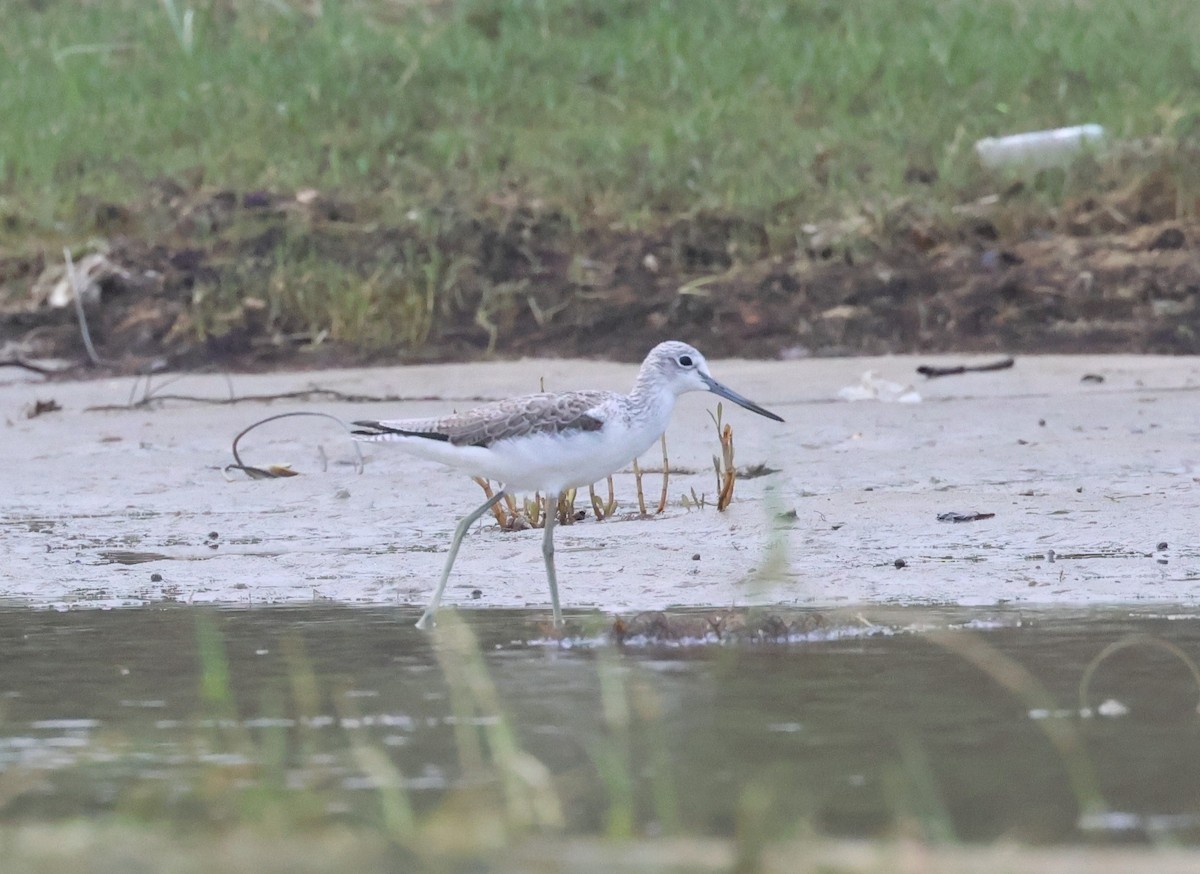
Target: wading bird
<point>552,442</point>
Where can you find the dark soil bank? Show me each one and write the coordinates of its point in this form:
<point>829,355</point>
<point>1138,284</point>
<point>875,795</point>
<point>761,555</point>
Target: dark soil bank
<point>259,279</point>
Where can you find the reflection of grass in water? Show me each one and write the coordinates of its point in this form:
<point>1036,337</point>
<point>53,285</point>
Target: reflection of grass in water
<point>1063,728</point>
<point>489,752</point>
<point>471,819</point>
<point>216,690</point>
<point>631,707</point>
<point>271,771</point>
<point>244,817</point>
<point>1062,733</point>
<point>914,794</point>
<point>280,772</point>
<point>633,760</point>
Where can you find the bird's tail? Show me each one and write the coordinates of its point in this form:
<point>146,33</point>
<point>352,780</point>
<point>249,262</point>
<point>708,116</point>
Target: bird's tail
<point>371,431</point>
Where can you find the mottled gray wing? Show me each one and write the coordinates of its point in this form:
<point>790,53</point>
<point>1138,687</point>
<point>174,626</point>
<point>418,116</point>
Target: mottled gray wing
<point>514,417</point>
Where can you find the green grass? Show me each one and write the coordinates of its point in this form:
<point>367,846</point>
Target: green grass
<point>608,109</point>
<point>378,295</point>
<point>450,133</point>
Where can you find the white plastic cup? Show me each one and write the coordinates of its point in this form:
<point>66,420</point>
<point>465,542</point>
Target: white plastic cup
<point>1039,150</point>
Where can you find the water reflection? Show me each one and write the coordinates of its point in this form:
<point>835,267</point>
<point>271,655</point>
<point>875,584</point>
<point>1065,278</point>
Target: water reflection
<point>858,729</point>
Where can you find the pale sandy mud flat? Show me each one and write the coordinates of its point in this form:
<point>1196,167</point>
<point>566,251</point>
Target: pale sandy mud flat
<point>118,507</point>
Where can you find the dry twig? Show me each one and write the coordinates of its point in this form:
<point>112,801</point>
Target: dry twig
<point>501,519</point>
<point>726,473</point>
<point>662,498</point>
<point>276,471</point>
<point>606,509</point>
<point>930,371</point>
<point>36,368</point>
<point>637,478</point>
<point>301,394</point>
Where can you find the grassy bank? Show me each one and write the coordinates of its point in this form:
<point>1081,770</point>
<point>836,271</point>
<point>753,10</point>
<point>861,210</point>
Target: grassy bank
<point>508,174</point>
<point>607,110</point>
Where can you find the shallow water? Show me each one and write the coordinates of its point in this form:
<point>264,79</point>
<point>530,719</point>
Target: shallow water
<point>851,729</point>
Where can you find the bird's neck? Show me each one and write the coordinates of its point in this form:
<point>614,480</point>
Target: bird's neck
<point>652,403</point>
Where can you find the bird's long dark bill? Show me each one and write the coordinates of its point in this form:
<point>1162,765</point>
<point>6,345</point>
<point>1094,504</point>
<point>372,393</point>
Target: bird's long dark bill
<point>729,394</point>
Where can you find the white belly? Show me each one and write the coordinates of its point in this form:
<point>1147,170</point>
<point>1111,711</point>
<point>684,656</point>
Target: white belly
<point>548,463</point>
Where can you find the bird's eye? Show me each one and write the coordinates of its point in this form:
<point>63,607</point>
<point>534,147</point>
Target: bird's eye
<point>685,360</point>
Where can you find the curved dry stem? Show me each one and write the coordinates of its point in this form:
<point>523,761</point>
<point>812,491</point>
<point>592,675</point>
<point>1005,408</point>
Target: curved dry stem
<point>603,509</point>
<point>637,478</point>
<point>260,473</point>
<point>1125,643</point>
<point>662,498</point>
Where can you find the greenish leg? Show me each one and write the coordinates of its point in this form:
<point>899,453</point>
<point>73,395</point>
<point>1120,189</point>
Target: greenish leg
<point>548,554</point>
<point>426,621</point>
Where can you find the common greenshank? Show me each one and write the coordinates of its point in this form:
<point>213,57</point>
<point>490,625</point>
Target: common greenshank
<point>554,442</point>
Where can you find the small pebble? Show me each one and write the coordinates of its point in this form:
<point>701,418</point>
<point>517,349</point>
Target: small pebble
<point>1162,546</point>
<point>477,594</point>
<point>696,556</point>
<point>899,563</point>
<point>213,535</point>
<point>156,578</point>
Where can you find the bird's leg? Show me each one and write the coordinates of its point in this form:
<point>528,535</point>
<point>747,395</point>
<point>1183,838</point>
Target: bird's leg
<point>426,621</point>
<point>548,553</point>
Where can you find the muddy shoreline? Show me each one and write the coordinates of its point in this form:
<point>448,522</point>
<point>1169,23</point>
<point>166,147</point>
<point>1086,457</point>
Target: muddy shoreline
<point>1092,483</point>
